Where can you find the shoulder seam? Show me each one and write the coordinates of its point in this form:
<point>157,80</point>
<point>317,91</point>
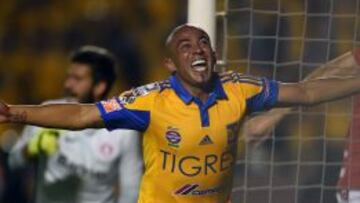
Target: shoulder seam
<point>144,90</point>
<point>240,78</point>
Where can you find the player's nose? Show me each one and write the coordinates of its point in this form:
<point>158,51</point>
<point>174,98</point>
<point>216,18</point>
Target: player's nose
<point>68,85</point>
<point>197,49</point>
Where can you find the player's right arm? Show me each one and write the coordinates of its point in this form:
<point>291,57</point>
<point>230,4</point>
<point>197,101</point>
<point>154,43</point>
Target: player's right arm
<point>63,116</point>
<point>258,128</point>
<point>125,112</point>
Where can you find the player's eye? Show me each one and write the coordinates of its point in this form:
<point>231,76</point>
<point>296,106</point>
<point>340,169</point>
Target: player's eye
<point>204,41</point>
<point>186,46</point>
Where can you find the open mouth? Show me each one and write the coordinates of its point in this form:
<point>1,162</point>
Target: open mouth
<point>199,65</point>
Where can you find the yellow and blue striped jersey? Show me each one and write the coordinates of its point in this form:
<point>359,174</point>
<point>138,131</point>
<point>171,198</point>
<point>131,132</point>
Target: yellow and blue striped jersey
<point>189,147</point>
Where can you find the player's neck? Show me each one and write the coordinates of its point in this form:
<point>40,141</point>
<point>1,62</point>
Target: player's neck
<point>201,92</point>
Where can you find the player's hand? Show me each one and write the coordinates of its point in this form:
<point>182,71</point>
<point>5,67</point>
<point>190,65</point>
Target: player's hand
<point>4,112</point>
<point>44,142</point>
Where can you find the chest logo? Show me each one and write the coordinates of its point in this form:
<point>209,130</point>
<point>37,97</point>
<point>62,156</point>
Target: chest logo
<point>206,140</point>
<point>106,149</point>
<point>173,137</point>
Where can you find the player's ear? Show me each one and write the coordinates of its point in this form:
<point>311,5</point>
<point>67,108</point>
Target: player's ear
<point>99,89</point>
<point>169,64</point>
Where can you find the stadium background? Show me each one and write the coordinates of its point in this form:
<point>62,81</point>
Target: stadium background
<point>294,36</point>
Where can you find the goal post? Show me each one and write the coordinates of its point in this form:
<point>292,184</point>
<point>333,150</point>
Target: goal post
<point>201,13</point>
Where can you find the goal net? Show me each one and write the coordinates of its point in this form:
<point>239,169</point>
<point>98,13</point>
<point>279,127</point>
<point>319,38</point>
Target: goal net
<point>285,40</point>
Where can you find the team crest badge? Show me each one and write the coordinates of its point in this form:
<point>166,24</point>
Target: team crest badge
<point>173,137</point>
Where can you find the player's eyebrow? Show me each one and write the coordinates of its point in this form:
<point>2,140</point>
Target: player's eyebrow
<point>181,41</point>
<point>205,36</point>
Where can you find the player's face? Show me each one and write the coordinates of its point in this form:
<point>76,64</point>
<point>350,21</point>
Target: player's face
<point>79,82</point>
<point>192,56</point>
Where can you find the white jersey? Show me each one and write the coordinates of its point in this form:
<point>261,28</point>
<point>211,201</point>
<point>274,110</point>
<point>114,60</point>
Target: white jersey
<point>87,166</point>
<point>348,196</point>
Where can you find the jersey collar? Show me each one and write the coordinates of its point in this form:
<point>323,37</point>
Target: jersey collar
<point>186,97</point>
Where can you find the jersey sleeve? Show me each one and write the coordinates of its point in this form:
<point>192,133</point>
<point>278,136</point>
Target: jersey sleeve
<point>260,93</point>
<point>126,112</point>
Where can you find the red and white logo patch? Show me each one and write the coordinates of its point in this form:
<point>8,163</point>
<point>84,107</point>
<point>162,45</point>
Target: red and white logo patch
<point>111,105</point>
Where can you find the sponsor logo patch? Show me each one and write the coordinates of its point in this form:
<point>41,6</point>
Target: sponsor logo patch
<point>194,190</point>
<point>111,105</point>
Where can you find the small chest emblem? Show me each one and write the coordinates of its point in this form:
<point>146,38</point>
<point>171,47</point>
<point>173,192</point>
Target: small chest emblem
<point>173,137</point>
<point>206,140</point>
<point>106,149</point>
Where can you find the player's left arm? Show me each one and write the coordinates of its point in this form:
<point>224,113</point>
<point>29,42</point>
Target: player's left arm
<point>313,92</point>
<point>259,127</point>
<point>130,166</point>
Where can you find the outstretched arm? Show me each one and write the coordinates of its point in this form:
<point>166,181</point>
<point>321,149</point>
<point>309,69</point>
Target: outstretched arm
<point>311,92</point>
<point>64,116</point>
<point>258,128</point>
<point>314,92</point>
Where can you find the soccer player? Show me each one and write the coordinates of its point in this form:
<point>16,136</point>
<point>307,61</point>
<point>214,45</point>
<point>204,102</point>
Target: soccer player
<point>83,166</point>
<point>349,179</point>
<point>190,121</point>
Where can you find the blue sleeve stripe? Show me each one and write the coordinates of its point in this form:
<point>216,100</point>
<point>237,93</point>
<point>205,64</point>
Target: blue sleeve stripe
<point>125,118</point>
<point>274,93</point>
<point>101,109</point>
<point>102,113</point>
<point>266,99</point>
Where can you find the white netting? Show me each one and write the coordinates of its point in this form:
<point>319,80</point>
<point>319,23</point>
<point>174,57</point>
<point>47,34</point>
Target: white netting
<point>285,40</point>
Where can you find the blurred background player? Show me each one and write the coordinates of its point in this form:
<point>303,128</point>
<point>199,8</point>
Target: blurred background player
<point>83,166</point>
<point>349,178</point>
<point>259,128</point>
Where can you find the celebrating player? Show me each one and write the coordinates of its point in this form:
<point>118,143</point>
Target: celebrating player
<point>83,166</point>
<point>189,122</point>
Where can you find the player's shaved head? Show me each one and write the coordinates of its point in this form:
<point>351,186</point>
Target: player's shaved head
<point>172,38</point>
<point>186,46</point>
